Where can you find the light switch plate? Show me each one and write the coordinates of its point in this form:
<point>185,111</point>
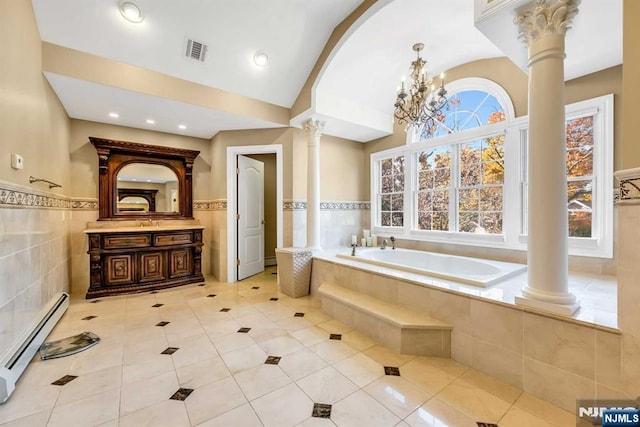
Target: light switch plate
<point>17,162</point>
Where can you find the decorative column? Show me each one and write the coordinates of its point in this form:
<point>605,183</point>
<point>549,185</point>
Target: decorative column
<point>543,28</point>
<point>313,128</point>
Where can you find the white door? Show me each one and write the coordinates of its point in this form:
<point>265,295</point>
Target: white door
<point>250,217</point>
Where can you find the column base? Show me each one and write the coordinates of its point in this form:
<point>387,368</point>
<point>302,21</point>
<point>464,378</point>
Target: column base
<point>563,309</point>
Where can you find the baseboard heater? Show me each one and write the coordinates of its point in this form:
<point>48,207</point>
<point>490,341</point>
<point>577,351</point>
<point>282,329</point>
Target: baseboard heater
<point>17,361</point>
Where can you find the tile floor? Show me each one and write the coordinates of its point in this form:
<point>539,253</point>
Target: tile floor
<point>244,355</point>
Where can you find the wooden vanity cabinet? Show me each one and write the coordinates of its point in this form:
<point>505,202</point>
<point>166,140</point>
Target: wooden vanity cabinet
<point>124,261</point>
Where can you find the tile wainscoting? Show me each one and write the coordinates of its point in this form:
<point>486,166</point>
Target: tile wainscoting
<point>34,257</point>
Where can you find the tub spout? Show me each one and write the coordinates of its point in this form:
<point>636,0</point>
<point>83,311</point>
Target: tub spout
<point>393,242</point>
<point>383,246</point>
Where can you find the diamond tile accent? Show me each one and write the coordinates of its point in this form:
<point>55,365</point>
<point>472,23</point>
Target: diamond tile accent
<point>201,284</point>
<point>89,317</point>
<point>211,295</point>
<point>298,315</point>
<point>170,350</point>
<point>392,370</point>
<point>273,299</point>
<point>255,287</point>
<point>95,301</point>
<point>162,324</point>
<point>181,394</point>
<point>64,380</point>
<point>337,337</point>
<point>244,330</point>
<point>481,424</point>
<point>157,305</point>
<point>274,272</point>
<point>224,310</point>
<point>321,410</point>
<point>272,360</point>
<point>153,292</point>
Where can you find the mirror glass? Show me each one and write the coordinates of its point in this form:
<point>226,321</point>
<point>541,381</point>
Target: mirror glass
<point>144,187</point>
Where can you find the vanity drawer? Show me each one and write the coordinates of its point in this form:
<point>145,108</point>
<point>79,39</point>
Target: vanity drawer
<point>173,239</point>
<point>117,241</point>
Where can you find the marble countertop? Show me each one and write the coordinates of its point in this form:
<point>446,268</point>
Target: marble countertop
<point>145,229</point>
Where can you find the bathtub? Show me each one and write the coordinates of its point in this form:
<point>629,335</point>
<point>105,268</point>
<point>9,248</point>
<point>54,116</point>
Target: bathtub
<point>472,271</point>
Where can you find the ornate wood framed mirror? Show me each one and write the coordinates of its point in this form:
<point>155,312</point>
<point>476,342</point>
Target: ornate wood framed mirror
<point>130,169</point>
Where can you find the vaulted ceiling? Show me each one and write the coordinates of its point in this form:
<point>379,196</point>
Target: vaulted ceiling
<point>99,63</point>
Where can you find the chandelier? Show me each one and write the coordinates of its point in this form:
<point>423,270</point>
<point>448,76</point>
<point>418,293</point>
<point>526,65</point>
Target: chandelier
<point>420,103</point>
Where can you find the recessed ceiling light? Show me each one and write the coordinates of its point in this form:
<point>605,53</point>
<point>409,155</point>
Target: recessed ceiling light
<point>261,59</point>
<point>114,115</point>
<point>151,121</point>
<point>131,12</point>
<point>182,127</point>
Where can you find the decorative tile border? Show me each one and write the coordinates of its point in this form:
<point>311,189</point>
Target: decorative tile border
<point>17,196</point>
<point>84,204</point>
<point>629,192</point>
<point>294,205</point>
<point>210,205</point>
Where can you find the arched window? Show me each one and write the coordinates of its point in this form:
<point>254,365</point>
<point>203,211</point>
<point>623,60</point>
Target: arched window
<point>464,178</point>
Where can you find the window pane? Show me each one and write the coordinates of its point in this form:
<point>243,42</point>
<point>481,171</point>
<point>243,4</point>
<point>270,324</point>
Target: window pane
<point>465,110</point>
<point>424,201</point>
<point>470,175</point>
<point>385,202</point>
<point>385,219</point>
<point>468,200</point>
<point>391,182</point>
<point>491,199</point>
<point>442,178</point>
<point>440,221</point>
<point>468,221</point>
<point>491,223</point>
<point>441,200</point>
<point>579,204</point>
<point>493,173</point>
<point>424,220</point>
<point>425,180</point>
<point>397,219</point>
<point>579,224</point>
<point>580,147</point>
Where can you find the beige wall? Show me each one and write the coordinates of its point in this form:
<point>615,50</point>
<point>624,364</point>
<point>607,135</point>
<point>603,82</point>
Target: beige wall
<point>33,123</point>
<point>630,155</point>
<point>34,255</point>
<point>84,160</point>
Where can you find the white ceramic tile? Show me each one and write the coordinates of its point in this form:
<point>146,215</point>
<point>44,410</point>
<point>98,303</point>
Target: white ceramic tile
<point>301,363</point>
<point>241,416</point>
<point>360,409</point>
<point>167,413</point>
<point>202,373</point>
<point>286,406</point>
<point>474,402</point>
<point>333,351</point>
<point>360,369</point>
<point>326,386</point>
<point>90,411</point>
<point>397,394</point>
<point>209,401</point>
<point>261,380</point>
<point>281,346</point>
<point>147,392</point>
<point>243,359</point>
<point>436,413</point>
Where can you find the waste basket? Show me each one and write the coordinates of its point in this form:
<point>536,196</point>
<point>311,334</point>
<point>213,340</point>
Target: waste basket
<point>294,271</point>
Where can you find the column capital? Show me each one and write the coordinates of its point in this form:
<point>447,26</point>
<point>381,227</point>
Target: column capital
<point>546,18</point>
<point>313,128</point>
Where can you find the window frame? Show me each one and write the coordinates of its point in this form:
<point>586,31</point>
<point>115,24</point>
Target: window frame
<point>515,129</point>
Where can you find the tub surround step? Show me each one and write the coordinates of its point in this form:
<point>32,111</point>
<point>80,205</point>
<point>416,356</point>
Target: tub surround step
<point>401,329</point>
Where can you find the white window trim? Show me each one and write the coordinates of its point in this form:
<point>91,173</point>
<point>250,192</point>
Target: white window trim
<point>601,245</point>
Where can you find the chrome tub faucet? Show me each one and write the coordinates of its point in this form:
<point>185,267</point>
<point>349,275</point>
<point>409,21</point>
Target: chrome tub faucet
<point>393,242</point>
<point>383,246</point>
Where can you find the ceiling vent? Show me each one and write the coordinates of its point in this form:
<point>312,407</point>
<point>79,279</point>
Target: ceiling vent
<point>196,50</point>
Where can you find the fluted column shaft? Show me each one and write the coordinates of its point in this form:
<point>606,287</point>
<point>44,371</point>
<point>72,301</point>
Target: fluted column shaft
<point>543,30</point>
<point>313,129</point>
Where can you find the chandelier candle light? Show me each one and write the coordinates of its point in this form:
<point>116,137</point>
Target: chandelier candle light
<point>420,103</point>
